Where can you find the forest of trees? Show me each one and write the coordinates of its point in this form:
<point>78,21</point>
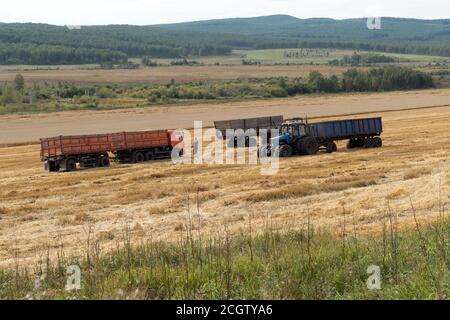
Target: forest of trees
<point>361,59</point>
<point>33,54</point>
<point>42,44</point>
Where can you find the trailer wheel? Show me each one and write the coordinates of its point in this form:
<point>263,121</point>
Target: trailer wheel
<point>104,161</point>
<point>137,157</point>
<point>309,146</point>
<point>331,147</point>
<point>350,144</point>
<point>71,165</point>
<point>149,156</point>
<point>378,143</point>
<point>369,143</point>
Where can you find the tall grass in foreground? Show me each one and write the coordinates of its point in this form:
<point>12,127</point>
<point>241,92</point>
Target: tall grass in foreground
<point>303,264</point>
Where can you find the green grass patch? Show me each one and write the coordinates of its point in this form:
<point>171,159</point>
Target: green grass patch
<point>304,264</point>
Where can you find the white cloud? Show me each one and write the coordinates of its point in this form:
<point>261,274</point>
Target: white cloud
<point>141,12</point>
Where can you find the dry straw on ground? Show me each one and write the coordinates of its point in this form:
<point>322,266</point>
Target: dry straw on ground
<point>39,210</point>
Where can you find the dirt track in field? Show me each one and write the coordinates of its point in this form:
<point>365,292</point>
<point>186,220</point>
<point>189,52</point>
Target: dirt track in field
<point>166,74</point>
<point>29,128</point>
<point>41,212</point>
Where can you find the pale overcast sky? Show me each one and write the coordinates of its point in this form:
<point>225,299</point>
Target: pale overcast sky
<point>146,12</point>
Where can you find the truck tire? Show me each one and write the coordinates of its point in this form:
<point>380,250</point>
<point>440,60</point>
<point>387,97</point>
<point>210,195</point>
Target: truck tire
<point>149,156</point>
<point>309,146</point>
<point>137,157</point>
<point>331,147</point>
<point>286,151</point>
<point>51,166</point>
<point>378,143</point>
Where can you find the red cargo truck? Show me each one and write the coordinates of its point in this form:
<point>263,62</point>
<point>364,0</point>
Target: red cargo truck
<point>63,153</point>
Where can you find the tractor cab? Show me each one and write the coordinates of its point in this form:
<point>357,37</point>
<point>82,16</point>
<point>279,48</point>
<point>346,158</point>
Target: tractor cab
<point>291,131</point>
<point>294,139</point>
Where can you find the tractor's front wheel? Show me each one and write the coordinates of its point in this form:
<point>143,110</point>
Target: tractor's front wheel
<point>286,151</point>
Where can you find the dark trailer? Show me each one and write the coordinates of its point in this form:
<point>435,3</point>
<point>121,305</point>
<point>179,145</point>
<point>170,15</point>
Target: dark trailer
<point>359,132</point>
<point>267,123</point>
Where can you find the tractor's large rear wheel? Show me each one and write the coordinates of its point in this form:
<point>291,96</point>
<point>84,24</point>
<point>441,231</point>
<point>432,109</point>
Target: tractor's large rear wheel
<point>309,146</point>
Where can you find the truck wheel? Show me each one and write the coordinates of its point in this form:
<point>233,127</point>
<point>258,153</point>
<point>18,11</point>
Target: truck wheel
<point>378,143</point>
<point>286,151</point>
<point>331,147</point>
<point>149,156</point>
<point>137,157</point>
<point>309,146</point>
<point>104,161</point>
<point>51,166</point>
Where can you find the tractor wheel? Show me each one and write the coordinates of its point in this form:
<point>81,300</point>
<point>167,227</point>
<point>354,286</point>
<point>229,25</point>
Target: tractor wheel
<point>309,146</point>
<point>331,147</point>
<point>286,151</point>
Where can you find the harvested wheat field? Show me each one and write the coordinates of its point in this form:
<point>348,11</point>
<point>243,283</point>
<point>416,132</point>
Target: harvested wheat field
<point>166,74</point>
<point>41,212</point>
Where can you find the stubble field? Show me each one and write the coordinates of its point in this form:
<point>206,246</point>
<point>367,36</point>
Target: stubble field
<point>41,213</point>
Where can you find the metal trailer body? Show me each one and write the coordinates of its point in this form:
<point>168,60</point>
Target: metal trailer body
<point>142,146</point>
<point>353,130</point>
<point>256,124</point>
<point>64,152</point>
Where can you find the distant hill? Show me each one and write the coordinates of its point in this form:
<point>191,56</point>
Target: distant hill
<point>48,44</point>
<point>322,28</point>
<point>246,26</point>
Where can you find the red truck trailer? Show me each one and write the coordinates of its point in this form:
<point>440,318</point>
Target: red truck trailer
<point>63,153</point>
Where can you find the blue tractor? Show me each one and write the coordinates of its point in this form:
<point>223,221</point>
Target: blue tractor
<point>294,139</point>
